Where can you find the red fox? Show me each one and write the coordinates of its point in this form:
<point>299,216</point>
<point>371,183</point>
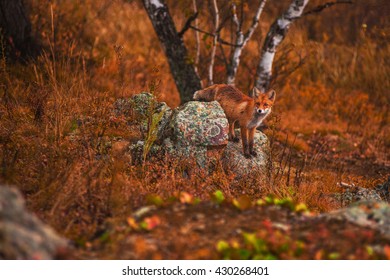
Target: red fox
<point>248,111</point>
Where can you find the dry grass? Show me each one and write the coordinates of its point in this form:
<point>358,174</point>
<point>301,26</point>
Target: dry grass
<point>61,146</point>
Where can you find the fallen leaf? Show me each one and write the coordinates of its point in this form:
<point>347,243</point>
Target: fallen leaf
<point>222,246</point>
<point>185,197</point>
<point>319,254</point>
<point>150,223</point>
<point>132,223</point>
<point>218,197</point>
<point>387,251</point>
<point>301,207</point>
<point>243,202</point>
<point>155,200</point>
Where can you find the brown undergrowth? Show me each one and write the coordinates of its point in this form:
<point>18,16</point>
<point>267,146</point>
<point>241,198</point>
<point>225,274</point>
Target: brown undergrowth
<point>62,146</point>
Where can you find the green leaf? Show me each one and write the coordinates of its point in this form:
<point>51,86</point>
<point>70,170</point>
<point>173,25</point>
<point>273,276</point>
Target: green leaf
<point>269,199</point>
<point>301,207</point>
<point>218,197</point>
<point>334,256</point>
<point>222,246</point>
<point>260,202</point>
<point>154,200</point>
<point>196,201</point>
<point>244,254</point>
<point>270,257</point>
<point>370,250</point>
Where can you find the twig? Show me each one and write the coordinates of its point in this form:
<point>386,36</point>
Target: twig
<point>320,8</point>
<point>220,40</point>
<point>345,185</point>
<point>187,25</point>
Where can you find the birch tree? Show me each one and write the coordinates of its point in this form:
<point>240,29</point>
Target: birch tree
<point>186,73</point>
<point>215,42</point>
<point>274,38</point>
<point>241,40</point>
<point>197,37</point>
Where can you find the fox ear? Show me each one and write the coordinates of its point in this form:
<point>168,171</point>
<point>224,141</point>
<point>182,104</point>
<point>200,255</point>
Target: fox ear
<point>271,94</point>
<point>254,92</point>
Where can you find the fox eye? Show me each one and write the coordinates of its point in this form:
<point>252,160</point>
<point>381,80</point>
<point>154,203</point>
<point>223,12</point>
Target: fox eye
<point>257,103</point>
<point>266,105</point>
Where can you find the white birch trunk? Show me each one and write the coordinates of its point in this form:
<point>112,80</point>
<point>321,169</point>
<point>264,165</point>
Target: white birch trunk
<point>215,42</point>
<point>197,38</point>
<point>241,41</point>
<point>274,38</point>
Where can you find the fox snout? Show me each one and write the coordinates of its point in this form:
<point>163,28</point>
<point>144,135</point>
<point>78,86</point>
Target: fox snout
<point>262,111</point>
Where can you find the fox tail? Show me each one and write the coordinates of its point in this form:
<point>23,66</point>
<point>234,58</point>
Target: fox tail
<point>206,94</point>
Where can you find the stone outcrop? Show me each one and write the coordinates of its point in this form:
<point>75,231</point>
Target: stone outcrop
<point>197,130</point>
<point>371,214</point>
<point>22,234</point>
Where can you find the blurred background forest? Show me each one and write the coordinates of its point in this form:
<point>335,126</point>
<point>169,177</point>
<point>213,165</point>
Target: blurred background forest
<point>330,122</point>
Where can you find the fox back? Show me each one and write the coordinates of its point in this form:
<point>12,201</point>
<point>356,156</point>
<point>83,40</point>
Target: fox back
<point>249,111</point>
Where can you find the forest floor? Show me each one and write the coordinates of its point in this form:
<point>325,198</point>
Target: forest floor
<point>185,227</point>
<point>63,148</point>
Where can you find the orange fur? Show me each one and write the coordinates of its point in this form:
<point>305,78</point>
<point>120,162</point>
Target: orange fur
<point>249,112</point>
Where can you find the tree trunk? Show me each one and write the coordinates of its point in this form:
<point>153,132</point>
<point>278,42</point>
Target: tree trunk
<point>183,71</point>
<point>274,37</point>
<point>241,40</point>
<point>15,30</point>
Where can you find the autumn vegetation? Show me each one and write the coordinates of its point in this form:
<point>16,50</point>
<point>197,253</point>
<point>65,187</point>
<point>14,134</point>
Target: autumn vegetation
<point>62,146</point>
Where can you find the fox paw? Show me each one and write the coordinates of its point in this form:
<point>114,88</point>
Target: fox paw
<point>234,139</point>
<point>248,156</point>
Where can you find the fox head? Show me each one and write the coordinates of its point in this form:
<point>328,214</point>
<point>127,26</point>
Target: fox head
<point>263,101</point>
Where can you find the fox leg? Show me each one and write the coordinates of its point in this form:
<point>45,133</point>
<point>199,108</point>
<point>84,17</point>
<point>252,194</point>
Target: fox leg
<point>244,137</point>
<point>251,140</point>
<point>232,134</point>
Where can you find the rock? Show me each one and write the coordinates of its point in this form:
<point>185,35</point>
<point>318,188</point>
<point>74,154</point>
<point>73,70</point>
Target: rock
<point>233,157</point>
<point>200,124</point>
<point>140,108</point>
<point>22,235</point>
<point>371,214</point>
<point>359,194</point>
<point>384,190</point>
<point>354,193</point>
<point>195,130</point>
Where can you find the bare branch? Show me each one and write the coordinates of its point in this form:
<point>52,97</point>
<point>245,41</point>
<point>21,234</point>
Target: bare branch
<point>235,17</point>
<point>241,40</point>
<point>224,56</point>
<point>197,38</point>
<point>187,25</point>
<point>320,8</point>
<point>255,22</point>
<point>215,42</point>
<point>220,40</point>
<point>275,37</point>
<point>282,75</point>
<point>202,31</point>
